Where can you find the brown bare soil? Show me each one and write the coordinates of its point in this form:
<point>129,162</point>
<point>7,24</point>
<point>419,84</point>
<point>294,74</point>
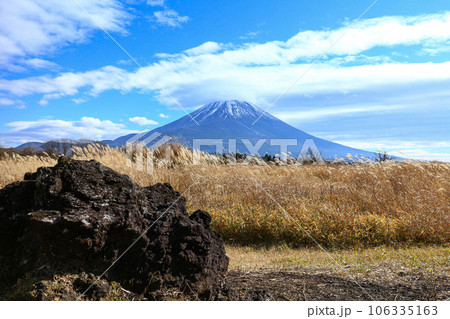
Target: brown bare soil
<point>321,284</point>
<point>381,273</point>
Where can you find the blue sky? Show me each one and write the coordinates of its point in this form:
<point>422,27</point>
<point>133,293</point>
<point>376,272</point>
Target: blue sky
<point>384,85</point>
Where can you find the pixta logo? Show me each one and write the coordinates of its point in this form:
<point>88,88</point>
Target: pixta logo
<point>140,150</point>
<point>308,151</point>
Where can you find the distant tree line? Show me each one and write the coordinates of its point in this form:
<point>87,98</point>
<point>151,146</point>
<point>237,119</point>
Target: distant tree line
<point>53,148</point>
<point>383,156</point>
<point>27,151</point>
<point>63,146</point>
<point>267,158</point>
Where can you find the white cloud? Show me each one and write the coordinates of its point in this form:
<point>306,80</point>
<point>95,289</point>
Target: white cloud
<point>205,48</point>
<point>31,28</point>
<point>6,101</point>
<point>40,64</point>
<point>164,116</point>
<point>79,101</point>
<point>154,3</point>
<point>17,104</point>
<point>108,77</point>
<point>45,129</point>
<point>20,107</point>
<point>142,121</point>
<point>249,35</point>
<point>422,154</point>
<point>370,33</point>
<point>51,96</point>
<point>384,144</point>
<point>420,150</point>
<point>170,18</point>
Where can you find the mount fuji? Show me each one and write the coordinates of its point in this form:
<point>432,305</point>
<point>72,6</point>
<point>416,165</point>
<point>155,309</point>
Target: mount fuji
<point>246,125</point>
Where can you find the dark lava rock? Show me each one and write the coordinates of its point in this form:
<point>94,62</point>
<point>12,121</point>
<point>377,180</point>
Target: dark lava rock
<point>80,216</point>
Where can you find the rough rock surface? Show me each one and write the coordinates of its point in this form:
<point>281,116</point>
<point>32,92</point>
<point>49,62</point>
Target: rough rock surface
<point>79,216</point>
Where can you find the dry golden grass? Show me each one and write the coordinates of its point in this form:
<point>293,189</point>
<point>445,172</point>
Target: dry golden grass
<point>13,167</point>
<point>362,205</point>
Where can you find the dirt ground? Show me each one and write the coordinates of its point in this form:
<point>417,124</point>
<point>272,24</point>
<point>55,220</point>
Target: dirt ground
<point>322,284</point>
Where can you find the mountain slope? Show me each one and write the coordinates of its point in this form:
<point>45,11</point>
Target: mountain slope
<point>234,120</point>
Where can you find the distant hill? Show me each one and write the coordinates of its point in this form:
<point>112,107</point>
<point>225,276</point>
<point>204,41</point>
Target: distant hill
<point>37,145</point>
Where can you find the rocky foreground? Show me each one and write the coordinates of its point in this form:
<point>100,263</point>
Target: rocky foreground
<point>63,224</point>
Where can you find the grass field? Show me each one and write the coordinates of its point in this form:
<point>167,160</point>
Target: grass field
<point>432,259</point>
<point>340,206</point>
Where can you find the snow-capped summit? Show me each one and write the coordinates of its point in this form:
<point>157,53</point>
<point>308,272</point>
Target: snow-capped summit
<point>232,109</point>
